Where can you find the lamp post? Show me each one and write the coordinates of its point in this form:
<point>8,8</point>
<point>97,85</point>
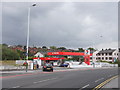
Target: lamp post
<point>93,63</point>
<point>28,35</point>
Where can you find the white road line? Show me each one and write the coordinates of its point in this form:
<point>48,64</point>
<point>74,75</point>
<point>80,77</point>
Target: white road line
<point>85,86</point>
<point>16,87</point>
<point>35,82</point>
<point>99,79</point>
<point>44,80</point>
<point>54,78</point>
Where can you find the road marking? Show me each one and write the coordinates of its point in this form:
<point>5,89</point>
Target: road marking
<point>44,80</point>
<point>47,72</point>
<point>32,73</point>
<point>16,87</point>
<point>16,75</point>
<point>99,79</point>
<point>105,82</point>
<point>85,86</point>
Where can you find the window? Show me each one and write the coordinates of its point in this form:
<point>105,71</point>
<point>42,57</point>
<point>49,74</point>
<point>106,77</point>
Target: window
<point>106,58</point>
<point>102,53</point>
<point>110,58</point>
<point>114,53</point>
<point>110,53</point>
<point>105,53</point>
<point>102,58</point>
<point>98,57</point>
<point>98,53</point>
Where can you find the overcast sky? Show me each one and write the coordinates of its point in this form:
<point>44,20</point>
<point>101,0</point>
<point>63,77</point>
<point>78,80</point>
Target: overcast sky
<point>71,25</point>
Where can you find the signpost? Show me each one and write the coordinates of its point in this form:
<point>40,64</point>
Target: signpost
<point>87,57</point>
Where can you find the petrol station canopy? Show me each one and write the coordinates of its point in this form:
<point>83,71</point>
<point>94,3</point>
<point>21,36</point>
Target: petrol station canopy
<point>48,58</point>
<point>67,53</point>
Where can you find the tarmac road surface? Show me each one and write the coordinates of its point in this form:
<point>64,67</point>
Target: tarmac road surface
<point>79,79</point>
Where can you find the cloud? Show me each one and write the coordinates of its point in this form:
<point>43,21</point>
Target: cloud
<point>71,25</point>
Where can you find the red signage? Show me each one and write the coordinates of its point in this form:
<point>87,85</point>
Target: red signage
<point>49,58</point>
<point>66,53</point>
<point>87,59</point>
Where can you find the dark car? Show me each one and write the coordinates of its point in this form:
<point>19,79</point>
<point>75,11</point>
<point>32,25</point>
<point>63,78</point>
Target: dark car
<point>63,65</point>
<point>48,67</point>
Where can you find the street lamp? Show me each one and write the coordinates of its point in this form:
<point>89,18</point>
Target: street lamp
<point>28,33</point>
<point>93,62</point>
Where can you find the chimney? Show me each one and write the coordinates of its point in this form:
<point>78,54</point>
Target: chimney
<point>109,48</point>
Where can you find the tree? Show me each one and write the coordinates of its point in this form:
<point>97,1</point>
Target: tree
<point>4,45</point>
<point>62,48</point>
<point>44,47</point>
<point>9,54</point>
<point>80,49</point>
<point>53,47</point>
<point>91,49</point>
<point>21,54</point>
<point>19,45</point>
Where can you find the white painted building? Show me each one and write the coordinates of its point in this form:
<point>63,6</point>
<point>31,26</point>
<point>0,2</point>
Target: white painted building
<point>94,56</point>
<point>39,55</point>
<point>106,55</point>
<point>37,60</point>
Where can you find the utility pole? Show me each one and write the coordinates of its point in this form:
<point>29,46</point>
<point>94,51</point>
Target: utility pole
<point>28,36</point>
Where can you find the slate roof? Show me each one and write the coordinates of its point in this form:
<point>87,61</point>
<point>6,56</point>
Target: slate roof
<point>107,51</point>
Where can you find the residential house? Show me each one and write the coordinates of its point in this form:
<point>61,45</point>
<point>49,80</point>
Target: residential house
<point>106,55</point>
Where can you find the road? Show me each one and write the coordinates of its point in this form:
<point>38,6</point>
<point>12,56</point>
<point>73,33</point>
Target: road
<point>79,79</point>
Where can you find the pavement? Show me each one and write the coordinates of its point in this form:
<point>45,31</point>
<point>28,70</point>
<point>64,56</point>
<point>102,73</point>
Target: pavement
<point>113,84</point>
<point>55,68</point>
<point>30,70</point>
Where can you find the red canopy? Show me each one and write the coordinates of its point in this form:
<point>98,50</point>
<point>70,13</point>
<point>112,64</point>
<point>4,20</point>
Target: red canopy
<point>67,53</point>
<point>49,58</point>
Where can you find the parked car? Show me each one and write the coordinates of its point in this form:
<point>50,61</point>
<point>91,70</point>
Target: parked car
<point>63,65</point>
<point>48,67</point>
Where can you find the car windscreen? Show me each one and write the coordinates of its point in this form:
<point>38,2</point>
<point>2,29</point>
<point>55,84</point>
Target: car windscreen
<point>48,64</point>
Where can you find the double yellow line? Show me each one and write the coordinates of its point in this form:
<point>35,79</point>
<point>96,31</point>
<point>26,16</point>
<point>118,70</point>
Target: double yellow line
<point>105,82</point>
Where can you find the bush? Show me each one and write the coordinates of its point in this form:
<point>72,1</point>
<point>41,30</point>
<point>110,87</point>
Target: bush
<point>117,62</point>
<point>9,54</point>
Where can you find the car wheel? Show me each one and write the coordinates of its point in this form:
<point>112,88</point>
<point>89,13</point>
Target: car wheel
<point>51,70</point>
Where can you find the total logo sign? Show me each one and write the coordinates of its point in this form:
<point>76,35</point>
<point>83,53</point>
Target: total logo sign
<point>87,52</point>
<point>55,52</point>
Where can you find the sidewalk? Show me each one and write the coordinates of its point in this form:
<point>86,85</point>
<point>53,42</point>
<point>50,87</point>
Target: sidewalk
<point>112,84</point>
<point>32,71</point>
<point>55,68</point>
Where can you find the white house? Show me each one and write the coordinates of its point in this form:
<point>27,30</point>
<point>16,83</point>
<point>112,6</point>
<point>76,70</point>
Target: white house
<point>37,60</point>
<point>94,56</point>
<point>106,55</point>
<point>39,55</point>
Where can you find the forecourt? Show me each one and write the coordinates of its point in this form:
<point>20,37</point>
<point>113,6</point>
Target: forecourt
<point>74,78</point>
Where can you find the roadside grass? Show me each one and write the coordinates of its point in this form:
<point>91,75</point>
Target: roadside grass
<point>10,62</point>
<point>7,62</point>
